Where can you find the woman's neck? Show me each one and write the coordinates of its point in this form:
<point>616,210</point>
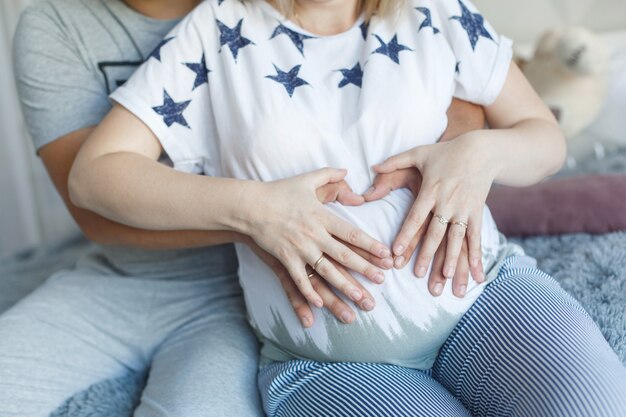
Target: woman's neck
<point>326,17</point>
<point>162,9</point>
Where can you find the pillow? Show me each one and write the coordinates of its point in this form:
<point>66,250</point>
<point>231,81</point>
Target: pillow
<point>579,204</point>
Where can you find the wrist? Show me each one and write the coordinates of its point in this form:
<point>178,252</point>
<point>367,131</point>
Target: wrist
<point>244,208</point>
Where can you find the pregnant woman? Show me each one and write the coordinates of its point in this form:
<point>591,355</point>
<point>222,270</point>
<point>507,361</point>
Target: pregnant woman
<point>261,96</point>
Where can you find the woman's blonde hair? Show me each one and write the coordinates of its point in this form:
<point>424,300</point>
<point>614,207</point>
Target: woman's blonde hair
<point>383,8</point>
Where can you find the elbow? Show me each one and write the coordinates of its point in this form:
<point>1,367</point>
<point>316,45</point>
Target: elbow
<point>77,188</point>
<point>560,152</point>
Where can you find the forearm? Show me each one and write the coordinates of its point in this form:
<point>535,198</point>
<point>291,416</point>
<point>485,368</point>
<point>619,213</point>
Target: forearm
<point>525,154</point>
<point>137,191</point>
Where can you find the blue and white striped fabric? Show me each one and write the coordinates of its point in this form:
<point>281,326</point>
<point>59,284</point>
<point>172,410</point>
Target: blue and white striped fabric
<point>526,348</point>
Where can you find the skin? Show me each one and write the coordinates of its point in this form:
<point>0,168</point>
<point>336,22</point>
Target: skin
<point>59,155</point>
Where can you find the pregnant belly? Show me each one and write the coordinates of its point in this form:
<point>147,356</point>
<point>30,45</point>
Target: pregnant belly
<point>407,327</point>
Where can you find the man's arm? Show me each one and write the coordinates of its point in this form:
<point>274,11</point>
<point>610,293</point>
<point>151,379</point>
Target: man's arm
<point>58,157</point>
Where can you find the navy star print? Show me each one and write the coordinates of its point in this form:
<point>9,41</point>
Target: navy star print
<point>201,71</point>
<point>297,38</point>
<point>156,53</point>
<point>171,111</point>
<point>457,67</point>
<point>219,2</point>
<point>428,22</point>
<point>364,28</point>
<point>232,38</point>
<point>391,49</point>
<point>473,24</point>
<point>289,80</point>
<point>352,75</point>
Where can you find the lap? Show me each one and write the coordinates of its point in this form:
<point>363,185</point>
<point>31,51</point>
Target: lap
<point>305,388</point>
<point>82,327</point>
<point>206,367</point>
<point>527,347</point>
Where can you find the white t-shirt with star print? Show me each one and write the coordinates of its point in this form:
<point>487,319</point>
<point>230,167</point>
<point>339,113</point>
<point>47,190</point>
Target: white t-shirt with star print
<point>239,91</point>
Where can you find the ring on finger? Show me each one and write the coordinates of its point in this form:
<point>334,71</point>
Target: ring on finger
<point>441,219</point>
<point>319,261</point>
<point>464,225</point>
<point>311,275</point>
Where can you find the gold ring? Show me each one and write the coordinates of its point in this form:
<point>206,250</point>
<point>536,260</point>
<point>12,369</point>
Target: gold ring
<point>441,219</point>
<point>311,275</point>
<point>319,261</point>
<point>464,225</point>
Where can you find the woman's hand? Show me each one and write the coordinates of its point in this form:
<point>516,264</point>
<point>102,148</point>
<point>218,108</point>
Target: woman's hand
<point>342,193</point>
<point>411,179</point>
<point>286,219</point>
<point>456,178</point>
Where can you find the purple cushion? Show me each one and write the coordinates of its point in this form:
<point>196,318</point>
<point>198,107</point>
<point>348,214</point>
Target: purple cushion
<point>582,204</point>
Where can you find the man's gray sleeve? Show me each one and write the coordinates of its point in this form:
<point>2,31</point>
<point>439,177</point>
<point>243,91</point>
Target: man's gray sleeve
<point>58,91</point>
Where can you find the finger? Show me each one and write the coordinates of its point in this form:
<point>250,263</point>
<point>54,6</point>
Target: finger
<point>432,240</point>
<point>324,176</point>
<point>384,263</point>
<point>437,281</point>
<point>297,272</point>
<point>344,256</point>
<point>354,236</point>
<point>414,221</point>
<point>339,191</point>
<point>401,261</point>
<point>330,274</point>
<point>367,303</point>
<point>459,282</point>
<point>332,302</point>
<point>403,160</point>
<point>456,236</point>
<point>296,299</point>
<point>475,246</point>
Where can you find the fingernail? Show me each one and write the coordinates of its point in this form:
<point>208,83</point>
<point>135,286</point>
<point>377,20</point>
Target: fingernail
<point>438,288</point>
<point>318,303</point>
<point>399,262</point>
<point>421,271</point>
<point>462,290</point>
<point>346,317</point>
<point>355,295</point>
<point>379,278</point>
<point>368,305</point>
<point>474,262</point>
<point>399,249</point>
<point>384,253</point>
<point>369,191</point>
<point>306,322</point>
<point>388,263</point>
<point>449,272</point>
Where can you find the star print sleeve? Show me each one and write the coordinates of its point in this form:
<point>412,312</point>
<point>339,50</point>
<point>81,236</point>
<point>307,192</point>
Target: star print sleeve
<point>170,94</point>
<point>482,56</point>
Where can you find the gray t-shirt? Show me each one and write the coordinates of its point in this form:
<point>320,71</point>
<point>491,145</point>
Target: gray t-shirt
<point>69,56</point>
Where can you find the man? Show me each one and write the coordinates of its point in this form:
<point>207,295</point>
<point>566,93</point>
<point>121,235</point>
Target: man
<point>122,307</point>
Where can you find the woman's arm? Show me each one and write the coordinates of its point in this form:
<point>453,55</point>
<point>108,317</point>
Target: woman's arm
<point>116,174</point>
<point>524,147</point>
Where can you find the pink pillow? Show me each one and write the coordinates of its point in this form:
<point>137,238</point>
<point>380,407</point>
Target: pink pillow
<point>582,204</point>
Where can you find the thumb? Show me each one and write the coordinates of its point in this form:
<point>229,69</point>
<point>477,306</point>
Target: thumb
<point>403,160</point>
<point>325,176</point>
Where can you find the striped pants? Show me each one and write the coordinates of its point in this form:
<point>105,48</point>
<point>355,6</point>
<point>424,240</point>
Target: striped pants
<point>525,349</point>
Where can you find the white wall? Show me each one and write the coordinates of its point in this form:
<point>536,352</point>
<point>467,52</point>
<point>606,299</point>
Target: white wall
<point>525,20</point>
